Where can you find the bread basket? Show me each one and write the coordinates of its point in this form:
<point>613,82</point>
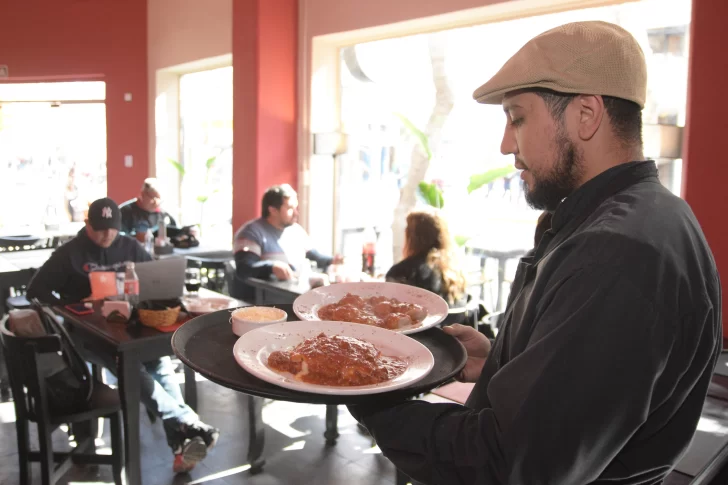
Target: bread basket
<point>159,313</point>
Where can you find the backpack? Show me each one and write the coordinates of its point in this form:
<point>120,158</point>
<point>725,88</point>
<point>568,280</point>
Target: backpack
<point>68,381</point>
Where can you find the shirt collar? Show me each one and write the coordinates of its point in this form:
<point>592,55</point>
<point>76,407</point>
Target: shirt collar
<point>594,188</point>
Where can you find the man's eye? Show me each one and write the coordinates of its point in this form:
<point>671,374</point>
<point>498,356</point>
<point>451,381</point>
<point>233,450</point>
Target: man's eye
<point>517,122</point>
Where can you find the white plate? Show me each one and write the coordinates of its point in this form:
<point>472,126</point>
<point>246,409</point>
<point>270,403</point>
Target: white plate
<point>306,306</point>
<point>202,305</point>
<point>251,351</point>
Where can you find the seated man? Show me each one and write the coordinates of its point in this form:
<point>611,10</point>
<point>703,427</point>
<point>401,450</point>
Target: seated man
<point>100,245</point>
<point>273,245</point>
<point>145,212</point>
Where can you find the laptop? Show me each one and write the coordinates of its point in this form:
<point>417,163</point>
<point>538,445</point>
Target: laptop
<point>162,279</point>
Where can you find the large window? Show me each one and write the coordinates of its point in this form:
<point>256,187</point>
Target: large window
<point>52,154</point>
<point>395,93</point>
<point>206,129</point>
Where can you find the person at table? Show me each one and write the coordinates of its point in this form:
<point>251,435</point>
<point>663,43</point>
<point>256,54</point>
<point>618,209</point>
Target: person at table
<point>274,245</point>
<point>428,258</point>
<point>145,212</point>
<point>613,325</point>
<point>97,246</point>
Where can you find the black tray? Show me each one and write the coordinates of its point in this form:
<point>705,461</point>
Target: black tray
<point>205,344</point>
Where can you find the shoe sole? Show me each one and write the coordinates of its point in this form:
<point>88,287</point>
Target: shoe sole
<point>193,452</point>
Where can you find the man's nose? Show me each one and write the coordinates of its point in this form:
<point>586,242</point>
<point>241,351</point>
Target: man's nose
<point>509,145</point>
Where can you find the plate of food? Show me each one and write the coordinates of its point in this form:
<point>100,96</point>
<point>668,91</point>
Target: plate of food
<point>335,358</point>
<point>202,305</point>
<point>403,308</point>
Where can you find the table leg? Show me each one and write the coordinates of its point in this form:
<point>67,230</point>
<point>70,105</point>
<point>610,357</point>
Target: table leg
<point>256,437</point>
<point>190,388</point>
<point>129,392</point>
<point>332,424</point>
<point>501,280</point>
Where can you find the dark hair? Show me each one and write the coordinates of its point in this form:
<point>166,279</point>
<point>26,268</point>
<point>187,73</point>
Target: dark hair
<point>625,116</point>
<point>274,197</point>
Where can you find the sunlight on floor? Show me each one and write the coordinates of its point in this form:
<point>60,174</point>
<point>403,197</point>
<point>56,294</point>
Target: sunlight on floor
<point>712,426</point>
<point>7,412</point>
<point>222,474</point>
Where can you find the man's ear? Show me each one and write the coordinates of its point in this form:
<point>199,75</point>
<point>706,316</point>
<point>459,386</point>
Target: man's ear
<point>591,115</point>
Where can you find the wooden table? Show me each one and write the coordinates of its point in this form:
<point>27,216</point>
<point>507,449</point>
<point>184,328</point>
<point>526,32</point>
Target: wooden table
<point>130,346</point>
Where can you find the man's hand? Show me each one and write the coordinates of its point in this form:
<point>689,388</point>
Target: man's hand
<point>282,271</point>
<point>338,259</point>
<point>476,345</point>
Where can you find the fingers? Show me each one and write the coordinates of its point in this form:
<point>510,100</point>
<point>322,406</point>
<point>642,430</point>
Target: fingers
<point>460,331</point>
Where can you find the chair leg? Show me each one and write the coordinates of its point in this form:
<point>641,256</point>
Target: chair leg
<point>117,448</point>
<point>21,427</point>
<point>45,442</point>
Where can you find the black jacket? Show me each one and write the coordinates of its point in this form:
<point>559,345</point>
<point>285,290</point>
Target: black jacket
<point>134,219</point>
<point>600,370</point>
<point>415,271</point>
<point>66,271</point>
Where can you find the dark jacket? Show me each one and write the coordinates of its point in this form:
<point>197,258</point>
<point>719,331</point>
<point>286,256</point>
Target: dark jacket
<point>66,271</point>
<point>135,219</point>
<point>415,271</point>
<point>599,373</point>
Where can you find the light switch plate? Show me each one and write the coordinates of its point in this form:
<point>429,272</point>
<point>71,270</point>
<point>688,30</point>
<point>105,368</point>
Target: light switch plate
<point>128,161</point>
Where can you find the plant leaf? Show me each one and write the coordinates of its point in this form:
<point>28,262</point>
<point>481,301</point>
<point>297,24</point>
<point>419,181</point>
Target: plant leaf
<point>202,198</point>
<point>210,162</point>
<point>419,134</point>
<point>432,194</point>
<point>478,180</point>
<point>461,240</point>
<point>178,166</point>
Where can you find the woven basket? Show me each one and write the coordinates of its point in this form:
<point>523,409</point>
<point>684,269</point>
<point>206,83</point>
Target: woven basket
<point>159,318</point>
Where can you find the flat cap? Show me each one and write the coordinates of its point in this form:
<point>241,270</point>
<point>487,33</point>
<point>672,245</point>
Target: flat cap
<point>576,58</point>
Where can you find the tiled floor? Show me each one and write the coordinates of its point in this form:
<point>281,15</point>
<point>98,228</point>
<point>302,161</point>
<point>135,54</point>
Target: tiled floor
<point>295,449</point>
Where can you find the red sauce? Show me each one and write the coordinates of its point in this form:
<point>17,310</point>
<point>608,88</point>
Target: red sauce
<point>337,361</point>
<point>376,310</point>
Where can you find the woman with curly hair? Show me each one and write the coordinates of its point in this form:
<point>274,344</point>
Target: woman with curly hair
<point>428,258</point>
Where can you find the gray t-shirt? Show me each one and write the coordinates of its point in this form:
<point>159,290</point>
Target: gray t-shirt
<point>289,245</point>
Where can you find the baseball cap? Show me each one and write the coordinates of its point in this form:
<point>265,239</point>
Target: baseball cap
<point>104,214</point>
<point>578,58</point>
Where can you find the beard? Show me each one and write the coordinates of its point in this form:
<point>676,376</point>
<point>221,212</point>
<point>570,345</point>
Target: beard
<point>550,188</point>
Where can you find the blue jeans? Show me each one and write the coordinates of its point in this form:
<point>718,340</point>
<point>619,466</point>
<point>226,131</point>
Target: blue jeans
<point>160,393</point>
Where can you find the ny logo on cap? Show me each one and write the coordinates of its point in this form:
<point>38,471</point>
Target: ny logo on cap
<point>106,213</point>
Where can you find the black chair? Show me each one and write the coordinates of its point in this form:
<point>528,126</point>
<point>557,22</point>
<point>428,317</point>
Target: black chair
<point>31,404</point>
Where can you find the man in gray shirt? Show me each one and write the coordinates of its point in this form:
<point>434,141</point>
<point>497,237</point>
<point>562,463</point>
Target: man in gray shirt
<point>274,245</point>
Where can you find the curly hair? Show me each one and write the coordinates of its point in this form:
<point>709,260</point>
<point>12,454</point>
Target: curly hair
<point>427,235</point>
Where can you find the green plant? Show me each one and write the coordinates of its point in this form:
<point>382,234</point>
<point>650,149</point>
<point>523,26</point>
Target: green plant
<point>480,179</point>
<point>432,194</point>
<point>206,190</point>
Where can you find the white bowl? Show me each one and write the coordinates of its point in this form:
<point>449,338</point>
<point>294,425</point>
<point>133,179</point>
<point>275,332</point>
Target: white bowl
<point>249,318</point>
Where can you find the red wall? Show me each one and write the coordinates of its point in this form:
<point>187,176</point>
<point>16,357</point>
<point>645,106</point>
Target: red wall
<point>265,43</point>
<point>706,169</point>
<point>78,39</point>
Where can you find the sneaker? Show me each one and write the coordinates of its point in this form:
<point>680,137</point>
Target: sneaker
<point>192,452</point>
<point>201,430</point>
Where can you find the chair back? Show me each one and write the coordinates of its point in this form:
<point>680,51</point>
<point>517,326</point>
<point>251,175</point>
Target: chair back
<point>26,382</point>
<point>127,202</point>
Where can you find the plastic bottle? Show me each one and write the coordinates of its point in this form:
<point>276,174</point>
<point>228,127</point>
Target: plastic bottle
<point>149,241</point>
<point>369,251</point>
<point>131,284</point>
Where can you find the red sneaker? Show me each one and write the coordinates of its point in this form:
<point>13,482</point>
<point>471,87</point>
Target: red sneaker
<point>193,452</point>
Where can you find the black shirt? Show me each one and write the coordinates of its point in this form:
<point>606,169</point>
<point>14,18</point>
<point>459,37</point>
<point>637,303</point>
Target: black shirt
<point>66,271</point>
<point>135,219</point>
<point>600,370</point>
<point>415,271</point>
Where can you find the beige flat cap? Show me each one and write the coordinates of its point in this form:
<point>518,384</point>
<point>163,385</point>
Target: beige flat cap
<point>577,58</point>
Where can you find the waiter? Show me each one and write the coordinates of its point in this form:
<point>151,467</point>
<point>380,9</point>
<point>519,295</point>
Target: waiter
<point>613,324</point>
